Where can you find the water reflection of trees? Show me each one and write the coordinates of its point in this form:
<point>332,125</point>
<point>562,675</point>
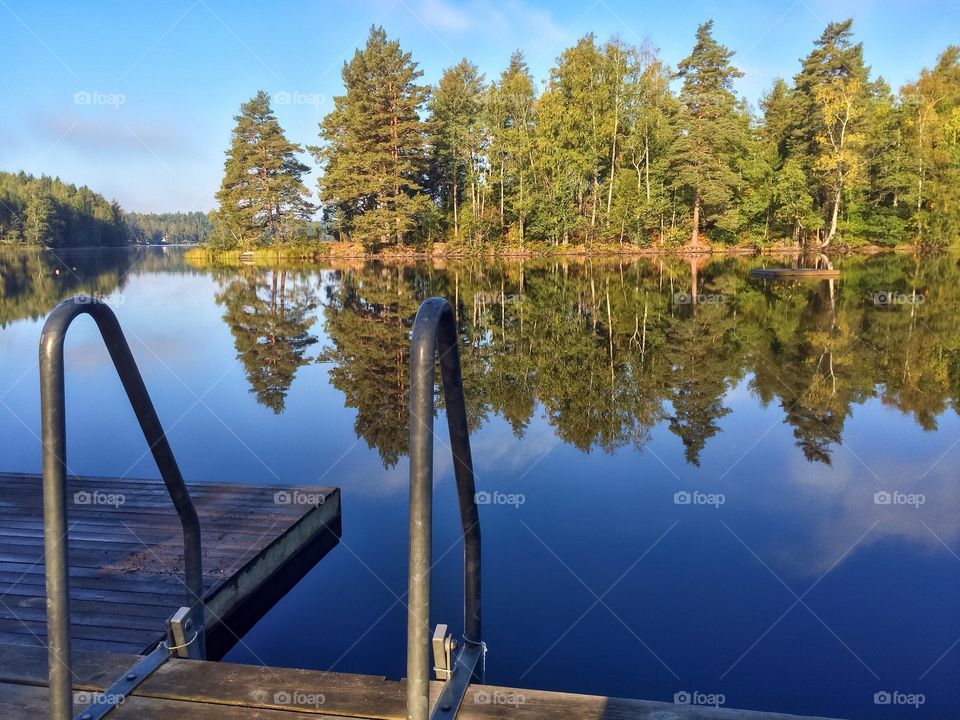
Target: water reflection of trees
<point>268,312</point>
<point>34,280</point>
<point>612,350</point>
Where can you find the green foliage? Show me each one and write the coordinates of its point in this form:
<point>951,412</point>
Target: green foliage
<point>167,228</point>
<point>262,196</point>
<point>46,211</point>
<point>375,146</point>
<point>713,133</point>
<point>608,152</point>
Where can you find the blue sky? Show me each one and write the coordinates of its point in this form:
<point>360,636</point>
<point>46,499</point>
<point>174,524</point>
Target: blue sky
<point>137,100</point>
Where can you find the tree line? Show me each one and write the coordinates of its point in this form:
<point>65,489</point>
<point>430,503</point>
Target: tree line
<point>169,228</point>
<point>617,147</point>
<point>49,212</point>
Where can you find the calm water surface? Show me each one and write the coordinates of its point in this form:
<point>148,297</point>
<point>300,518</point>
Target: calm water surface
<point>754,495</point>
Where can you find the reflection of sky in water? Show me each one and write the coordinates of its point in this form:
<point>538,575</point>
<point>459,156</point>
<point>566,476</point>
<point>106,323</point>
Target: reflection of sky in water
<point>798,594</point>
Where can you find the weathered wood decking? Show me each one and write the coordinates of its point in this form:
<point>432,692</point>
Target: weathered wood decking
<point>195,690</point>
<point>126,557</point>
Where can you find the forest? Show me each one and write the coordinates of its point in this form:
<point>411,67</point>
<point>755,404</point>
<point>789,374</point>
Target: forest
<point>168,228</point>
<point>618,148</point>
<point>47,211</point>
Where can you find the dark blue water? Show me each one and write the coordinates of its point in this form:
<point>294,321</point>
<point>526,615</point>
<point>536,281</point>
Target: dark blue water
<point>785,584</point>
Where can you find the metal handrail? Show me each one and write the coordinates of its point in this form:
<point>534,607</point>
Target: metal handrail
<point>53,414</point>
<point>435,332</point>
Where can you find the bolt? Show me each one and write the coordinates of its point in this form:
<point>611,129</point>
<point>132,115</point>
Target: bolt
<point>131,676</point>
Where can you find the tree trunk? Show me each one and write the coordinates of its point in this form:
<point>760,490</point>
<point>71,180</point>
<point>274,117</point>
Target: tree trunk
<point>613,159</point>
<point>646,163</point>
<point>456,216</point>
<point>695,235</point>
<point>833,220</point>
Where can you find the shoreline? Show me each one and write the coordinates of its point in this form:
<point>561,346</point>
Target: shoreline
<point>440,251</point>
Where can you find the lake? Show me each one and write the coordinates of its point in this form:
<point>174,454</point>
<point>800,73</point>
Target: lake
<point>692,481</point>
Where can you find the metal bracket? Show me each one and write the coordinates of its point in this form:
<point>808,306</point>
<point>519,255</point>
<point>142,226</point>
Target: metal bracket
<point>183,635</point>
<point>464,672</point>
<point>443,646</point>
<point>115,694</point>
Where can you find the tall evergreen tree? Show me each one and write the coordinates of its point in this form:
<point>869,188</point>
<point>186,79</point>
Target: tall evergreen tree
<point>713,129</point>
<point>262,194</point>
<point>375,151</point>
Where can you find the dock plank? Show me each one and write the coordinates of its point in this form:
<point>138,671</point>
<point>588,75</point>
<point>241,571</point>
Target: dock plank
<point>227,690</point>
<point>126,557</point>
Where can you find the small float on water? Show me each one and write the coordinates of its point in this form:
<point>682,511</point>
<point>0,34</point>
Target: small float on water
<point>795,273</point>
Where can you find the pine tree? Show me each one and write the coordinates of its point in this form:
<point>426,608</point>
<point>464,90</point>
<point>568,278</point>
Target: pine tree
<point>262,194</point>
<point>375,151</point>
<point>713,129</point>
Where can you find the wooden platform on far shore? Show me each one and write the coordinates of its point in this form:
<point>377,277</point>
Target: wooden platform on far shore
<point>795,274</point>
<point>199,690</point>
<point>126,557</point>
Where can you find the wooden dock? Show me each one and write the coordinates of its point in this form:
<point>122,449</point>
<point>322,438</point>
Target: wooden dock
<point>203,690</point>
<point>126,557</point>
<point>795,274</point>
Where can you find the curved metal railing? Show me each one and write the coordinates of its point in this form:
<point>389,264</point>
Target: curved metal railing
<point>53,413</point>
<point>435,332</point>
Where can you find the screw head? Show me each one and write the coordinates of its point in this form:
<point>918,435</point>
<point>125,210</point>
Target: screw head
<point>131,676</point>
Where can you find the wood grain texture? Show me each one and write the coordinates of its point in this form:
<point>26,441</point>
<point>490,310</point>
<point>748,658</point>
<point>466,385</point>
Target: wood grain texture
<point>227,691</point>
<point>126,556</point>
